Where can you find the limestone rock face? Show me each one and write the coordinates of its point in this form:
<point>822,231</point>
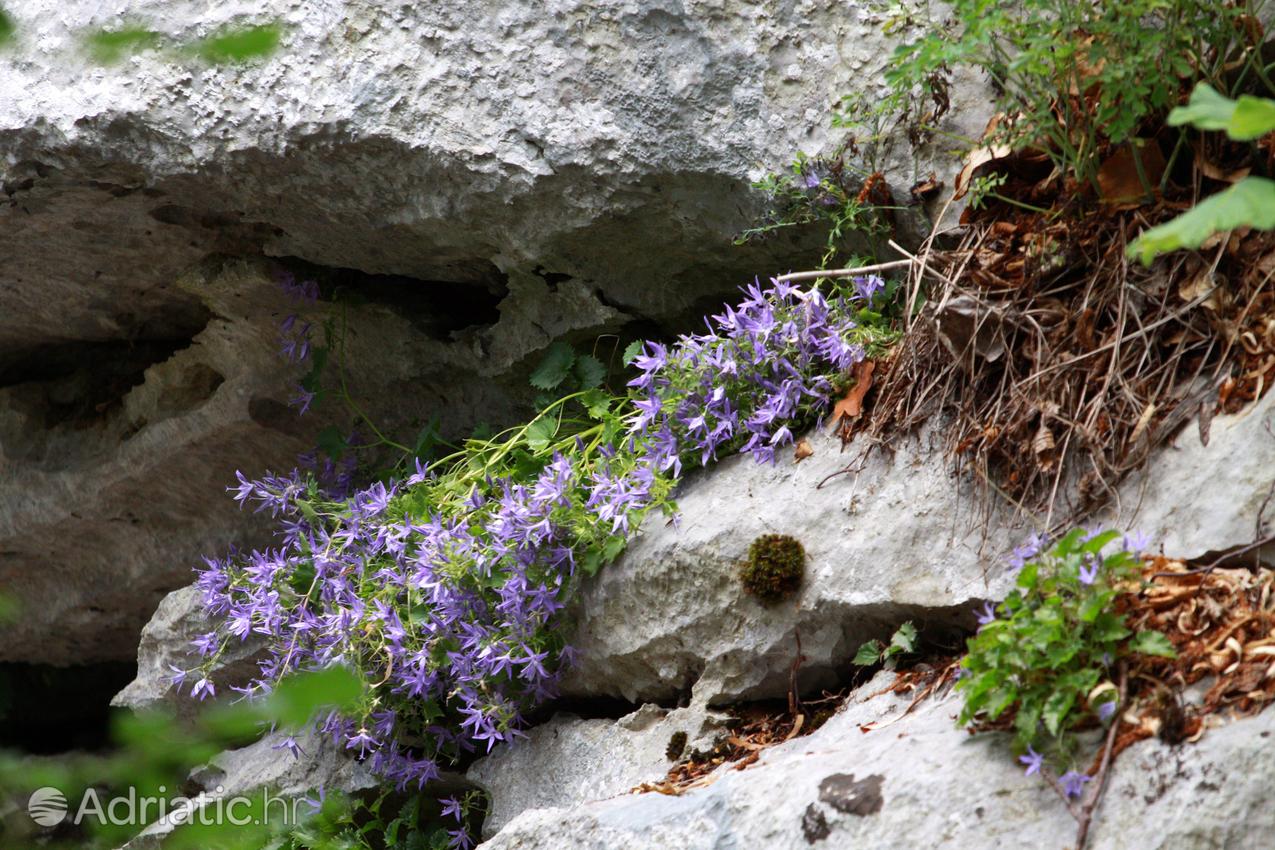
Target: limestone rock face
<point>512,172</point>
<point>915,780</point>
<point>897,539</point>
<point>571,760</point>
<point>892,542</point>
<point>165,645</point>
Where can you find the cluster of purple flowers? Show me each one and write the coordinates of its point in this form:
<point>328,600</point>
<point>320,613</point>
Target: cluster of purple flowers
<point>451,614</point>
<point>446,589</point>
<point>763,366</point>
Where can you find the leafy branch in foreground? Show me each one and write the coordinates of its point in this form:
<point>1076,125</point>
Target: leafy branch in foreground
<point>1249,203</point>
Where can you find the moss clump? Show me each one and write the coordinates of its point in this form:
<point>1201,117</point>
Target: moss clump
<point>775,568</point>
<point>676,746</point>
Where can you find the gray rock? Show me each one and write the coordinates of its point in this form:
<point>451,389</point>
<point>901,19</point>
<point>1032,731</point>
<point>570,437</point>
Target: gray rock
<point>898,540</point>
<point>901,539</point>
<point>579,167</point>
<point>1195,499</point>
<point>165,644</point>
<point>115,467</point>
<point>571,760</point>
<point>448,143</point>
<point>916,780</point>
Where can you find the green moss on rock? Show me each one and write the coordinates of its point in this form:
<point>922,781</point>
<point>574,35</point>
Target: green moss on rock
<point>676,746</point>
<point>776,565</point>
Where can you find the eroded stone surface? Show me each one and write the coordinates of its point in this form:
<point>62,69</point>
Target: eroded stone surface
<point>585,164</point>
<point>896,541</point>
<point>923,782</point>
<point>572,760</point>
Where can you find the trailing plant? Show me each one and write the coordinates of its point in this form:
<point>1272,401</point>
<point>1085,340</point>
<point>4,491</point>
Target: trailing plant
<point>445,590</point>
<point>1248,203</point>
<point>1047,662</point>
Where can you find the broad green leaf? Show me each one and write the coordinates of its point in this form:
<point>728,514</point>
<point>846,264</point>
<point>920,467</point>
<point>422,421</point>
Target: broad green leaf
<point>1153,643</point>
<point>592,561</point>
<point>589,371</point>
<point>427,439</point>
<point>612,548</point>
<point>868,654</point>
<point>555,367</point>
<point>1027,720</point>
<point>1107,627</point>
<point>240,44</point>
<point>904,639</point>
<point>999,701</point>
<point>1067,545</point>
<point>1096,543</point>
<point>541,433</point>
<point>109,46</point>
<point>1093,606</point>
<point>596,402</point>
<point>1249,203</point>
<point>1056,708</point>
<point>331,443</point>
<point>1243,120</point>
<point>298,697</point>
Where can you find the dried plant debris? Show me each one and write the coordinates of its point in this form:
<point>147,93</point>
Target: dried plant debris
<point>754,730</point>
<point>1061,365</point>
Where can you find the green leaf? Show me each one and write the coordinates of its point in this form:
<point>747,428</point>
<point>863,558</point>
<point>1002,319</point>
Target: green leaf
<point>541,433</point>
<point>298,697</point>
<point>1243,120</point>
<point>1249,203</point>
<point>592,561</point>
<point>1095,544</point>
<point>7,28</point>
<point>868,654</point>
<point>555,366</point>
<point>589,371</point>
<point>110,46</point>
<point>1093,606</point>
<point>597,403</point>
<point>1056,708</point>
<point>240,44</point>
<point>1108,627</point>
<point>904,639</point>
<point>428,438</point>
<point>1153,643</point>
<point>632,351</point>
<point>613,547</point>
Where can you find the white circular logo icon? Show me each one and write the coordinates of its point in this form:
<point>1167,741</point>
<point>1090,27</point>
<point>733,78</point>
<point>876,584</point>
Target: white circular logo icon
<point>47,806</point>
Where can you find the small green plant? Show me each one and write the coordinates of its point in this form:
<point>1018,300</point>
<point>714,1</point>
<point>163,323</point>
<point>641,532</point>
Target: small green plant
<point>1050,653</point>
<point>902,642</point>
<point>848,199</point>
<point>1071,77</point>
<point>1249,203</point>
<point>775,568</point>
